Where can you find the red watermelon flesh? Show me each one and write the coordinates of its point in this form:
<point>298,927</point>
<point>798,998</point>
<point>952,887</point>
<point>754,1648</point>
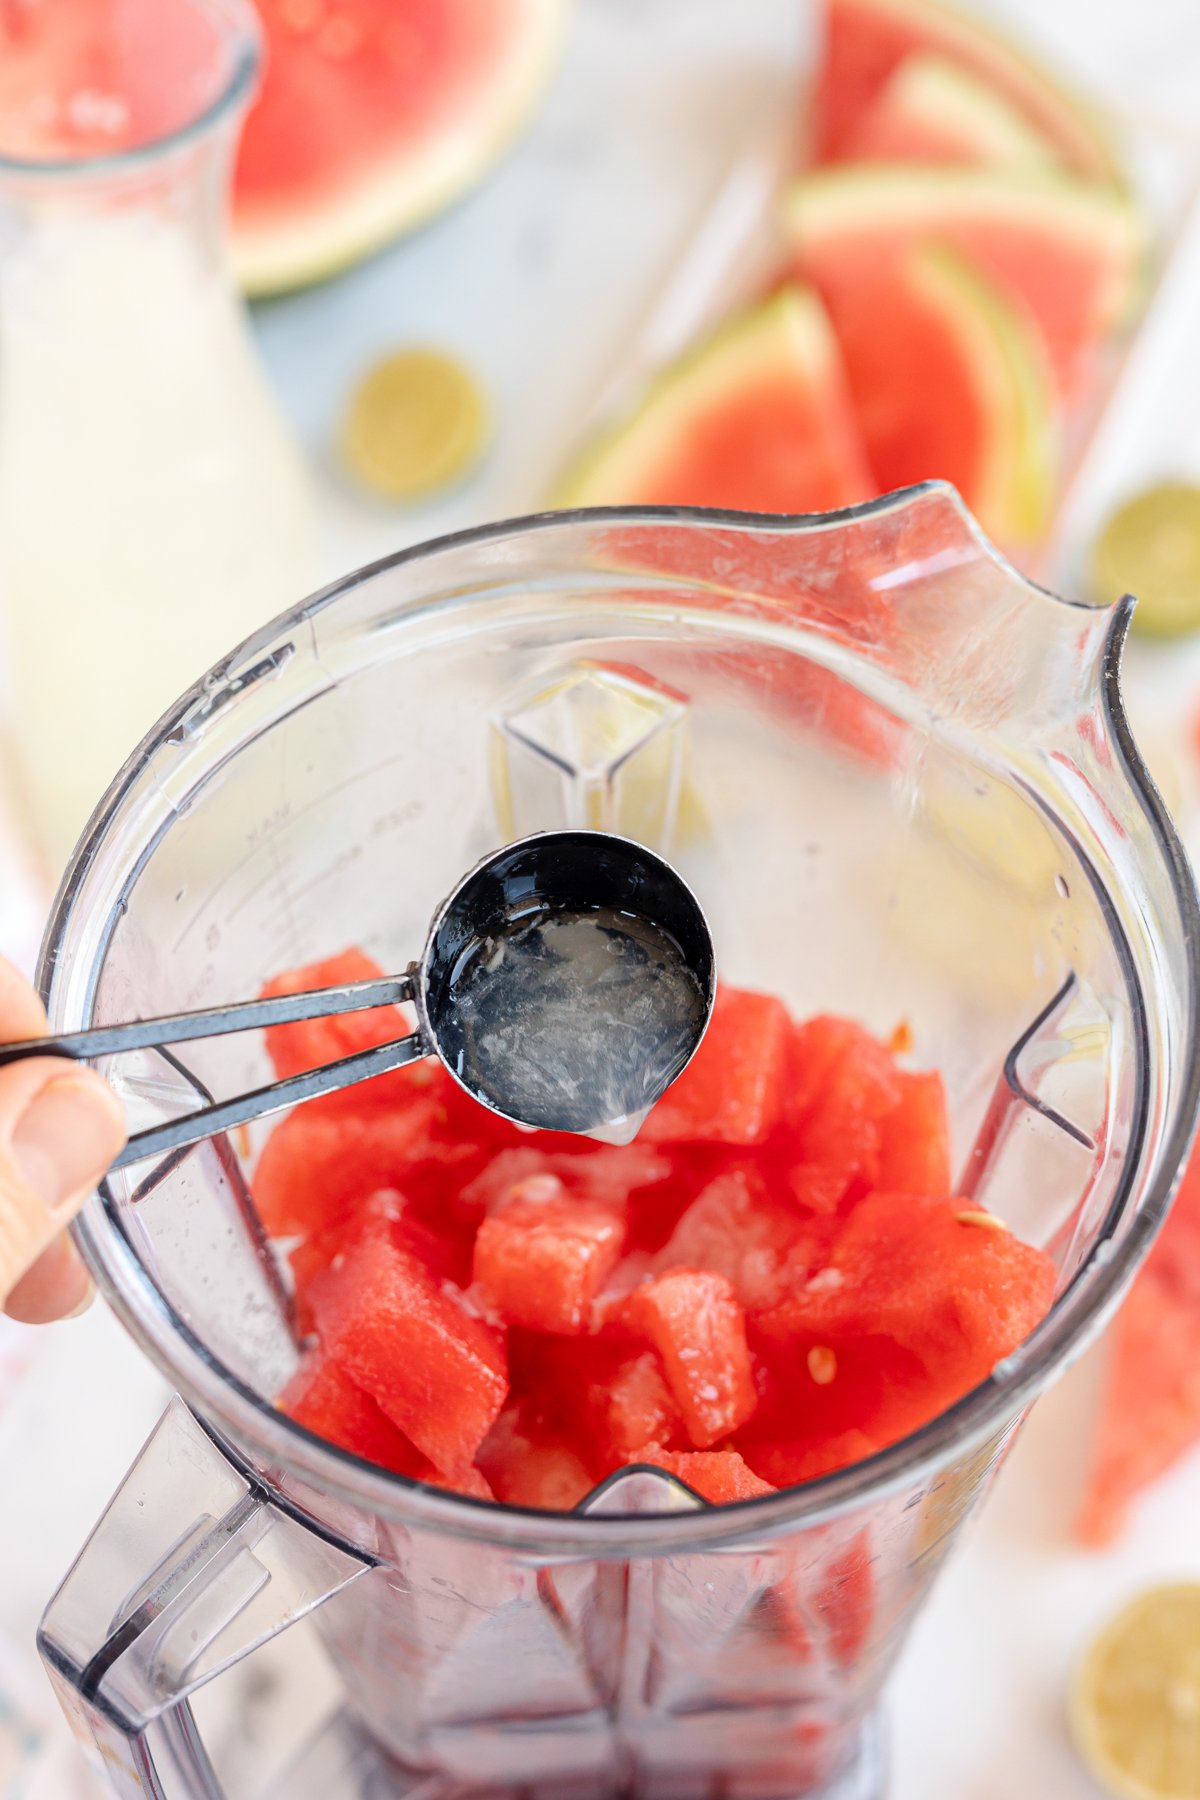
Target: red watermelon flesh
<point>774,1315</point>
<point>732,1090</point>
<point>957,388</point>
<point>692,1318</point>
<point>718,1476</point>
<point>1065,253</point>
<point>372,115</point>
<point>543,1256</point>
<point>294,1049</point>
<point>757,419</point>
<point>867,40</point>
<point>1150,1415</point>
<point>438,1371</point>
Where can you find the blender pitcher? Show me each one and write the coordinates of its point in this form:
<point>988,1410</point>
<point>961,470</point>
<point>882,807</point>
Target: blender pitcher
<point>899,779</point>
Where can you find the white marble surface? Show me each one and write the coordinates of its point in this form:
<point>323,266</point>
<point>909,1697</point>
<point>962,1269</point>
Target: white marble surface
<point>545,282</point>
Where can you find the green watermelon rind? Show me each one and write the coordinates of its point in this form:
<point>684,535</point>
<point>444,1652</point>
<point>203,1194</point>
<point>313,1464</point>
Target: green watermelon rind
<point>1007,357</point>
<point>274,255</point>
<point>788,331</point>
<point>927,86</point>
<point>851,198</point>
<point>1069,120</point>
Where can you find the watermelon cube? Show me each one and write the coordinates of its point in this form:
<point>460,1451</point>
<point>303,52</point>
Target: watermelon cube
<point>693,1319</point>
<point>318,1167</point>
<point>629,1405</point>
<point>732,1090</point>
<point>843,1084</point>
<point>446,1253</point>
<point>438,1372</point>
<point>718,1476</point>
<point>542,1257</point>
<point>914,1139</point>
<point>321,1397</point>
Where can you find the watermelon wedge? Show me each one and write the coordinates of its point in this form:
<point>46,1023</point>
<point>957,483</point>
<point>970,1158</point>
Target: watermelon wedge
<point>373,115</point>
<point>1150,1415</point>
<point>867,40</point>
<point>935,111</point>
<point>1067,251</point>
<point>757,419</point>
<point>958,386</point>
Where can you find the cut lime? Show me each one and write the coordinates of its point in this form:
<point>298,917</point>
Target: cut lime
<point>1135,1709</point>
<point>1150,548</point>
<point>415,423</point>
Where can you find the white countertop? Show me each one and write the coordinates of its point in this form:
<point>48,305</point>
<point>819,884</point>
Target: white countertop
<point>544,282</point>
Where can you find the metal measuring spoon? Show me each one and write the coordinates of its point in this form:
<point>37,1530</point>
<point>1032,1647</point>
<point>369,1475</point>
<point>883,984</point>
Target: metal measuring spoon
<point>564,984</point>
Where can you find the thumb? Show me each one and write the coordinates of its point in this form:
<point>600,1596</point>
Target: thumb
<point>60,1128</point>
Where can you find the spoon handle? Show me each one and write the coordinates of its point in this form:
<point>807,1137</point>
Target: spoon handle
<point>217,1021</point>
<point>226,1115</point>
<point>246,1015</point>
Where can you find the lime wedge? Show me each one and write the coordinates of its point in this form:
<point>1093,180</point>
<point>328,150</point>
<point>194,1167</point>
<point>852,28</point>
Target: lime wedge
<point>1135,1710</point>
<point>1150,548</point>
<point>415,423</point>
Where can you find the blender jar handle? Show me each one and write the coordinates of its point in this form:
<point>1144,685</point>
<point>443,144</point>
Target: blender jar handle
<point>192,1566</point>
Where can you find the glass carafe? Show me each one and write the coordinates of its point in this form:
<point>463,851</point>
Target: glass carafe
<point>153,509</point>
<point>900,781</point>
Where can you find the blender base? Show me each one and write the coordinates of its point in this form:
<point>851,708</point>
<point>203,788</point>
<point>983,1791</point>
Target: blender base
<point>341,1762</point>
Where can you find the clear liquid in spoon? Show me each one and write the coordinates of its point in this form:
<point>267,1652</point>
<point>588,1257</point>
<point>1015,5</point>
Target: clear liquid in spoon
<point>573,1019</point>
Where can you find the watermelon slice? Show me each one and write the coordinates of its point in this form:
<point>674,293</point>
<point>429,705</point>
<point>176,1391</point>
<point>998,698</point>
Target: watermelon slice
<point>757,419</point>
<point>958,386</point>
<point>1068,252</point>
<point>867,40</point>
<point>1151,1409</point>
<point>935,111</point>
<point>373,115</point>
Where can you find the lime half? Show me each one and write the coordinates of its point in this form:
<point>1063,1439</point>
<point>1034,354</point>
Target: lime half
<point>415,423</point>
<point>1150,548</point>
<point>1135,1710</point>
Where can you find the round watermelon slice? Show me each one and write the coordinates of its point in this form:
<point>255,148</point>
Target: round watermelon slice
<point>957,386</point>
<point>1067,251</point>
<point>373,115</point>
<point>866,41</point>
<point>757,418</point>
<point>935,111</point>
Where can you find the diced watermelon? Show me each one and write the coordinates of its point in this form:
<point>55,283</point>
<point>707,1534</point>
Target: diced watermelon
<point>956,1293</point>
<point>732,1090</point>
<point>525,1467</point>
<point>294,1049</point>
<point>446,1253</point>
<point>321,1397</point>
<point>692,1318</point>
<point>826,1400</point>
<point>914,1139</point>
<point>738,1229</point>
<point>631,1405</point>
<point>542,1256</point>
<point>843,1083</point>
<point>467,1481</point>
<point>718,1476</point>
<point>318,1166</point>
<point>437,1371</point>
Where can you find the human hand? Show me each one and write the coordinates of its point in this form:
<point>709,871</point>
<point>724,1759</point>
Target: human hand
<point>60,1128</point>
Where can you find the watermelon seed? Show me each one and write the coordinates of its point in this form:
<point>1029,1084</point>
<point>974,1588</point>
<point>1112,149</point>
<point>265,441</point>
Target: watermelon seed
<point>986,1221</point>
<point>822,1364</point>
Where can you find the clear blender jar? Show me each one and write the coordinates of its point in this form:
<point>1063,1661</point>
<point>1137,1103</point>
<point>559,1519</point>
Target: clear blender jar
<point>900,781</point>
